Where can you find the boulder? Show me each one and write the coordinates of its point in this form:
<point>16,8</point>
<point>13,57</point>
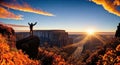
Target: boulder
<point>29,45</point>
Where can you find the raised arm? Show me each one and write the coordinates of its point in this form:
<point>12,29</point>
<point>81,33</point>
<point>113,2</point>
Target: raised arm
<point>28,23</point>
<point>35,23</point>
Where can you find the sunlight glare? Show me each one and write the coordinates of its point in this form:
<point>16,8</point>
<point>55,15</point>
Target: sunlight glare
<point>90,32</point>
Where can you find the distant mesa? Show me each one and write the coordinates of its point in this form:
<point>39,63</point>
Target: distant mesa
<point>117,34</point>
<point>29,45</point>
<point>58,38</point>
<point>8,33</point>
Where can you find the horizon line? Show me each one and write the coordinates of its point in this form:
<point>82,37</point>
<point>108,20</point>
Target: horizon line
<point>66,31</point>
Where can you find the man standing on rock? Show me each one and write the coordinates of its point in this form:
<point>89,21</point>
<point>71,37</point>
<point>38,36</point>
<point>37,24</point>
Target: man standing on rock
<point>31,27</point>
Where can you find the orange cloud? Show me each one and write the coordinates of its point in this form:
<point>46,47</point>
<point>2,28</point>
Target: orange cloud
<point>25,7</point>
<point>4,13</point>
<point>109,5</point>
<point>13,25</point>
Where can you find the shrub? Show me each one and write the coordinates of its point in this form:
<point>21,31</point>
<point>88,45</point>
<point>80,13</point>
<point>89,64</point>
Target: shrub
<point>10,57</point>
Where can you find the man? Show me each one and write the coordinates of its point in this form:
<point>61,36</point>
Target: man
<point>31,27</point>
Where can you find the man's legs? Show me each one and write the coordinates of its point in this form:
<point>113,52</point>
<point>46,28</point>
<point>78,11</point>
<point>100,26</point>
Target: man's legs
<point>32,32</point>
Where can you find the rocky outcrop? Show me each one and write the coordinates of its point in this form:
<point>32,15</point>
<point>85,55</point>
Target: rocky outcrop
<point>117,34</point>
<point>9,34</point>
<point>29,45</point>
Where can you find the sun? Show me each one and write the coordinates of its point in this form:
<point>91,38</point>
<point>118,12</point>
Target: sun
<point>90,31</point>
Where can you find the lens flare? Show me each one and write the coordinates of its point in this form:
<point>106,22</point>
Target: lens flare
<point>90,31</point>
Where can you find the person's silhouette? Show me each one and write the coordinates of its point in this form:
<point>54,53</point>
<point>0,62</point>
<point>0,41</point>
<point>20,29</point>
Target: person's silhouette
<point>31,27</point>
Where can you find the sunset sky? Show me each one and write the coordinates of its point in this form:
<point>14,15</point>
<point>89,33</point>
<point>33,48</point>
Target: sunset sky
<point>69,15</point>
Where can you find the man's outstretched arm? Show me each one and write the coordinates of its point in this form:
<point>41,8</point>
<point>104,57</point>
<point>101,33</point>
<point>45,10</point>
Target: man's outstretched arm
<point>35,23</point>
<point>28,23</point>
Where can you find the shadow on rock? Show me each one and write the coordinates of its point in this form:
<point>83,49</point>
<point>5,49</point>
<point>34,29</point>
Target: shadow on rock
<point>29,45</point>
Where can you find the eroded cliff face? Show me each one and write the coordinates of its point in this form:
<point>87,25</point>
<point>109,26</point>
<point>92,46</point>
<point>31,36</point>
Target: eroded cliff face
<point>117,34</point>
<point>92,44</point>
<point>9,34</point>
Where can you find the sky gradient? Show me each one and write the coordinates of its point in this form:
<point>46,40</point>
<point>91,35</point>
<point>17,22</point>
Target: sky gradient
<point>69,15</point>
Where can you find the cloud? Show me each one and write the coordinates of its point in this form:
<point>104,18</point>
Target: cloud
<point>112,6</point>
<point>24,7</point>
<point>13,25</point>
<point>5,14</point>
